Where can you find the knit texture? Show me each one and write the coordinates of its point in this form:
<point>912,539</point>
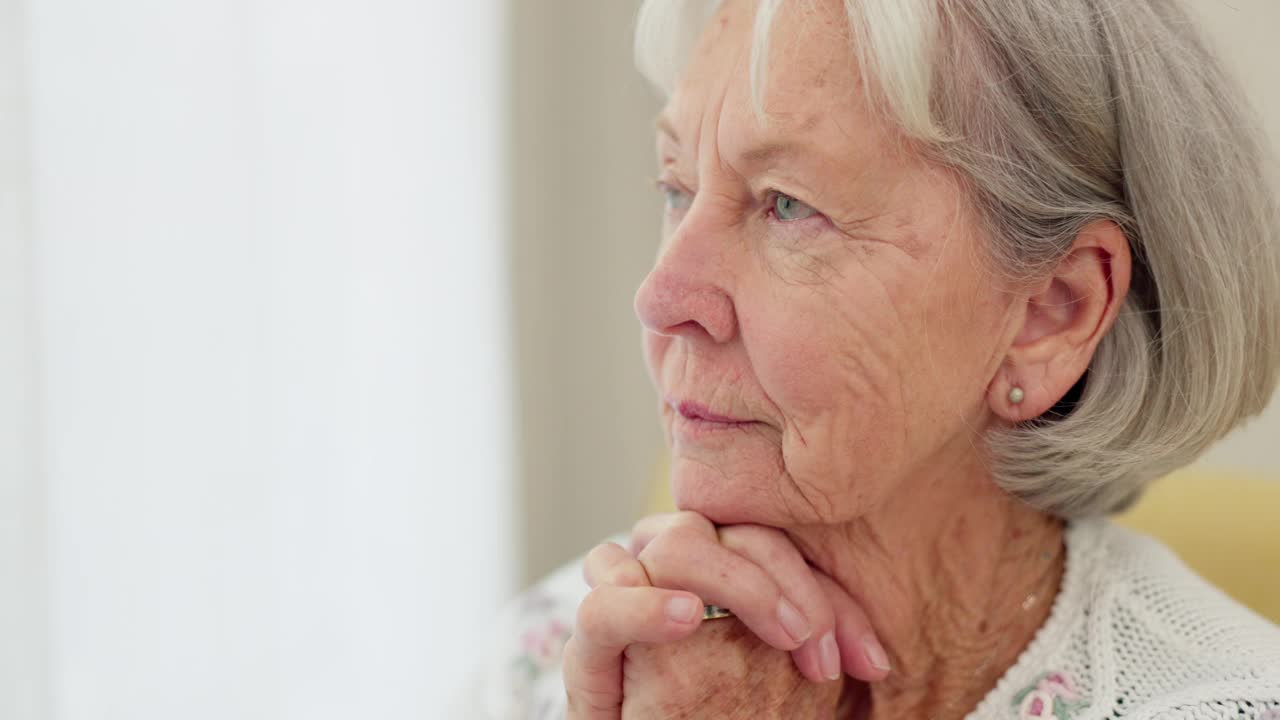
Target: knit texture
<point>1133,634</point>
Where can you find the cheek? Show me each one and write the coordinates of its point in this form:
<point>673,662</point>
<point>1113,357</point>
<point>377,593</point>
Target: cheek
<point>830,325</point>
<point>872,374</point>
<point>965,319</point>
<point>836,364</point>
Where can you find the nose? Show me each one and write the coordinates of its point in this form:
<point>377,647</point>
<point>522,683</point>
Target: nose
<point>685,293</point>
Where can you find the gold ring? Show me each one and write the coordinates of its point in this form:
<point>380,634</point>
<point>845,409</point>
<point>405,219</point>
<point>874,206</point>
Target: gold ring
<point>713,612</point>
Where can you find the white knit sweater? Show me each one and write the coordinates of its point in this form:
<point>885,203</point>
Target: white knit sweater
<point>1133,634</point>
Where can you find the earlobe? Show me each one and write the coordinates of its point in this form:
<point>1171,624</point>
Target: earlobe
<point>1011,401</point>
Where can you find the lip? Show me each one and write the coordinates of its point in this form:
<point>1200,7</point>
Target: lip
<point>702,414</point>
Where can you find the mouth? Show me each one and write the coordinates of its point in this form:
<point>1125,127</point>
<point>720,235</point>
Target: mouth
<point>698,419</point>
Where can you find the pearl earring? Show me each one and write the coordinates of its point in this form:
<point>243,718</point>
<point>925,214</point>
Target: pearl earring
<point>1015,395</point>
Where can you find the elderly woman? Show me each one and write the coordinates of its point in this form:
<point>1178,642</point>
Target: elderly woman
<point>942,284</point>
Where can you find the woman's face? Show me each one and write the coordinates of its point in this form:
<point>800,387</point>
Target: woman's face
<point>818,322</point>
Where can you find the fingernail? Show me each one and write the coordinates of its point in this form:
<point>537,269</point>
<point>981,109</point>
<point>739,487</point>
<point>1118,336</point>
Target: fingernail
<point>793,622</point>
<point>875,652</point>
<point>681,609</point>
<point>829,656</point>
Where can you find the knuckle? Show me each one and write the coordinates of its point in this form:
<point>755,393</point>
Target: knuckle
<point>692,520</point>
<point>766,547</point>
<point>665,555</point>
<point>684,535</point>
<point>651,521</point>
<point>661,563</point>
<point>650,525</point>
<point>655,552</point>
<point>629,574</point>
<point>601,553</point>
<point>610,564</point>
<point>601,557</point>
<point>592,620</point>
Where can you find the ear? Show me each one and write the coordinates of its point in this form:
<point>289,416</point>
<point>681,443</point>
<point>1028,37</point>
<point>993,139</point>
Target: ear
<point>1063,319</point>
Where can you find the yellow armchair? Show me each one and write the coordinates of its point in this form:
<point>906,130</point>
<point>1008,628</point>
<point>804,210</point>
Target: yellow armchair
<point>1226,527</point>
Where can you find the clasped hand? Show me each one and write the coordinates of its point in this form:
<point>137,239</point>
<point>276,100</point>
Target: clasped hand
<point>640,648</point>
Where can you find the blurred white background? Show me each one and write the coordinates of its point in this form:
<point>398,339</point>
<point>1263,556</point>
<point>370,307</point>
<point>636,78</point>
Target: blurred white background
<point>316,338</point>
<point>257,454</point>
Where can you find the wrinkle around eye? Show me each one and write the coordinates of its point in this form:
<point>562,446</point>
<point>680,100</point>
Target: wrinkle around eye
<point>801,230</point>
<point>862,230</point>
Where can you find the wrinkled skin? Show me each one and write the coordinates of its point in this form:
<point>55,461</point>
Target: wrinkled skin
<point>740,677</point>
<point>857,341</point>
<point>631,657</point>
<point>830,347</point>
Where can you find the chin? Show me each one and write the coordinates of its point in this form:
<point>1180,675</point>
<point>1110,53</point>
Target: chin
<point>729,495</point>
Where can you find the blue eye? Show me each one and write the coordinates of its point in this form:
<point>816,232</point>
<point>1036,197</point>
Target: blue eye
<point>676,198</point>
<point>789,209</point>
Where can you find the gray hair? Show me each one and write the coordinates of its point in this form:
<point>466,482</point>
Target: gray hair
<point>1057,113</point>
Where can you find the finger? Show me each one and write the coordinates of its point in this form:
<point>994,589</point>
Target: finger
<point>686,557</point>
<point>861,652</point>
<point>770,549</point>
<point>610,619</point>
<point>649,527</point>
<point>610,564</point>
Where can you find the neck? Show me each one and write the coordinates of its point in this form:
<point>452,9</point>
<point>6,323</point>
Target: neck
<point>955,587</point>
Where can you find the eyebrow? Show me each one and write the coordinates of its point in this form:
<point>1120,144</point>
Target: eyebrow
<point>767,153</point>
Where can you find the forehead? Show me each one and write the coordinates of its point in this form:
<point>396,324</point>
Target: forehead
<point>810,82</point>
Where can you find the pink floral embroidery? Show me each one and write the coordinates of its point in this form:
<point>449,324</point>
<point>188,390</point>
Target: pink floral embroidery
<point>1053,696</point>
<point>1058,685</point>
<point>1037,705</point>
